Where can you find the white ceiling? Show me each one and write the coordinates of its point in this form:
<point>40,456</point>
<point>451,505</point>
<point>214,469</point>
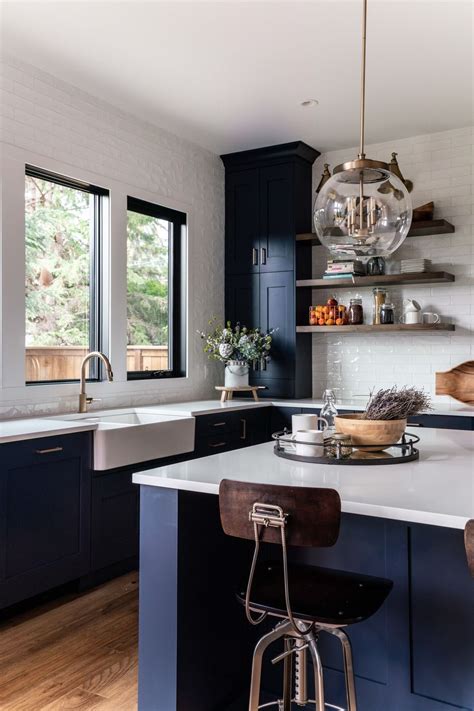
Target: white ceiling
<point>231,74</point>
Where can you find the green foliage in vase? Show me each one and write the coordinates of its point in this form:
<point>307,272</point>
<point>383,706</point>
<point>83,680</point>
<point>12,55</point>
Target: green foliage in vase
<point>226,343</point>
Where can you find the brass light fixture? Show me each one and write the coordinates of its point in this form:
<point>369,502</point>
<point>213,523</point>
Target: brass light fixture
<point>364,209</point>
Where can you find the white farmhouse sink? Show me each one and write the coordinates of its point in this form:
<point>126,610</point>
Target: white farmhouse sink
<point>131,436</point>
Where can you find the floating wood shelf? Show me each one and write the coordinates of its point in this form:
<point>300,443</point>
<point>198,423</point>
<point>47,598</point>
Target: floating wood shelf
<point>423,228</point>
<point>383,280</point>
<point>379,328</point>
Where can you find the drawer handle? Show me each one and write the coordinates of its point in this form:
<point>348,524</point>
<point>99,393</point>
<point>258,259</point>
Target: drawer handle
<point>218,444</point>
<point>414,424</point>
<point>220,424</point>
<point>244,428</point>
<point>48,451</point>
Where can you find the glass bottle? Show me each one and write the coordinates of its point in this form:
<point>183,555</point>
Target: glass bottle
<point>329,410</point>
<point>379,299</point>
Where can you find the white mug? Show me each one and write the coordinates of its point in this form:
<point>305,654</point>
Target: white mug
<point>314,438</point>
<point>429,317</point>
<point>411,317</point>
<point>304,422</point>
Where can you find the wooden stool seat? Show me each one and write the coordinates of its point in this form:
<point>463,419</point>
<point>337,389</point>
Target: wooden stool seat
<point>319,595</point>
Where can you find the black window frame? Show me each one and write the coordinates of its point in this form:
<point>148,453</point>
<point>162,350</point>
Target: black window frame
<point>177,311</point>
<point>96,330</point>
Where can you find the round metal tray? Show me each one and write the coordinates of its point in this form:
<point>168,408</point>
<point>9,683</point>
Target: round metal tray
<point>396,453</point>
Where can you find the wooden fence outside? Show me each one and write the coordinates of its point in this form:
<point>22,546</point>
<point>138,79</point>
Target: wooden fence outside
<point>64,363</point>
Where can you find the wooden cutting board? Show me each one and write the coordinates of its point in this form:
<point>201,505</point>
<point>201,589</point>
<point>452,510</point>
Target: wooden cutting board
<point>457,382</point>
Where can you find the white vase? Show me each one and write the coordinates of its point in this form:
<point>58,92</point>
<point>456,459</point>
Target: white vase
<point>236,374</point>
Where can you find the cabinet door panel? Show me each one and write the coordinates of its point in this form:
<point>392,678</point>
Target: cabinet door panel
<point>114,519</point>
<point>442,620</point>
<point>241,219</point>
<point>45,488</point>
<point>242,300</point>
<point>277,224</point>
<point>43,515</point>
<point>277,310</point>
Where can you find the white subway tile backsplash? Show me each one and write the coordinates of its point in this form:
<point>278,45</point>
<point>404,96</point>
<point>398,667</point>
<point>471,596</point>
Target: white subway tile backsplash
<point>441,167</point>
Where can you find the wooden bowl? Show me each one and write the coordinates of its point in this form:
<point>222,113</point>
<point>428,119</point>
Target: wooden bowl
<point>373,432</point>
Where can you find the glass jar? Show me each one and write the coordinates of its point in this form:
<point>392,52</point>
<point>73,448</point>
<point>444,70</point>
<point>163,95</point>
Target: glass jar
<point>387,313</point>
<point>379,298</point>
<point>338,446</point>
<point>356,312</point>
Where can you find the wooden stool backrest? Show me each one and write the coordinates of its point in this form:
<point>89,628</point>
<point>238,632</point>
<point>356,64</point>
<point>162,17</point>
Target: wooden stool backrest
<point>469,541</point>
<point>314,514</point>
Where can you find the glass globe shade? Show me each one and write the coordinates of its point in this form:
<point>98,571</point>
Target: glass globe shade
<point>386,212</point>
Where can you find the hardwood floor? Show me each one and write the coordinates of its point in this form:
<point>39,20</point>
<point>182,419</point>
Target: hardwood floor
<point>79,652</point>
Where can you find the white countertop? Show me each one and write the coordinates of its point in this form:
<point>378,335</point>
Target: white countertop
<point>32,428</point>
<point>205,407</point>
<point>437,490</point>
<point>456,410</point>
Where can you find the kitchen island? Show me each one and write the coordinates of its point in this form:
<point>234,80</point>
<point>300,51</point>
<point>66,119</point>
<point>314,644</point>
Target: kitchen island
<point>404,522</point>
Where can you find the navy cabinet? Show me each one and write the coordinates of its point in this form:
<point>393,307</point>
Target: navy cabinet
<point>45,496</point>
<point>242,298</point>
<point>277,218</point>
<point>268,200</point>
<point>225,431</point>
<point>241,222</point>
<point>114,525</point>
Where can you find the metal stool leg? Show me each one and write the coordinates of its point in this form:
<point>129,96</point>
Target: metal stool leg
<point>287,678</point>
<point>259,651</point>
<point>348,667</point>
<point>318,672</point>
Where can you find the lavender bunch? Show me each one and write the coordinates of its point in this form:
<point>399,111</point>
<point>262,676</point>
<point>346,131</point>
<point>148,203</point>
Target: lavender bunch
<point>396,404</point>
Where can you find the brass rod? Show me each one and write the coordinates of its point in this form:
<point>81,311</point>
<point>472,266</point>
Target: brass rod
<point>362,80</point>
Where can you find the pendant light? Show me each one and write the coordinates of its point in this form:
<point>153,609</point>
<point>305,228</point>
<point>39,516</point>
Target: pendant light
<point>364,209</point>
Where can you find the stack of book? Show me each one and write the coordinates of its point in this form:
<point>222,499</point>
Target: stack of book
<point>343,269</point>
<point>415,266</point>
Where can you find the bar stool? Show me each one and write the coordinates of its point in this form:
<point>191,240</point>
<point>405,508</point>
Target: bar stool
<point>469,542</point>
<point>306,600</point>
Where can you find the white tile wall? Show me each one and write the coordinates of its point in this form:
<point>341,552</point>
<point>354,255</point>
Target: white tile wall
<point>441,167</point>
<point>54,120</point>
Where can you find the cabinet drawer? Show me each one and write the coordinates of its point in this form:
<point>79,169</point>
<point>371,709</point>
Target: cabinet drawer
<point>46,450</point>
<point>217,424</point>
<point>216,444</point>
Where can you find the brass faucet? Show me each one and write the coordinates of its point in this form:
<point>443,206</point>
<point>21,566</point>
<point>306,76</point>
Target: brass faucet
<point>84,400</point>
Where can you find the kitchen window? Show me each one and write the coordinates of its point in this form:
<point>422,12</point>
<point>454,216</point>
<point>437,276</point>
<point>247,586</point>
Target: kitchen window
<point>155,291</point>
<point>63,235</point>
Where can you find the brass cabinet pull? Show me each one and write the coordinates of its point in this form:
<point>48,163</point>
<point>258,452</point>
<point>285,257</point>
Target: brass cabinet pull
<point>219,424</point>
<point>244,428</point>
<point>218,444</point>
<point>48,451</point>
<point>254,256</point>
<point>263,255</point>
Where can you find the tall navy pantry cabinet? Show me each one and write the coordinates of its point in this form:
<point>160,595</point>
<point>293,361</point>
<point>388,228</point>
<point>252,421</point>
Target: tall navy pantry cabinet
<point>267,202</point>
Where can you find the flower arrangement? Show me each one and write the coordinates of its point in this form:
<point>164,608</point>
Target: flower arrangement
<point>236,343</point>
<point>396,404</point>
